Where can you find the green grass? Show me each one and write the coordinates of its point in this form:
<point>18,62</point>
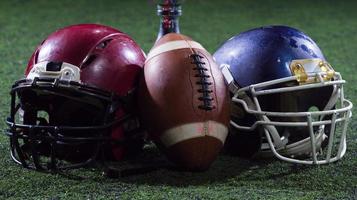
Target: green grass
<point>332,24</point>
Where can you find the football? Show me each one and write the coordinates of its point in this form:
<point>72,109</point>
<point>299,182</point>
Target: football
<point>184,102</point>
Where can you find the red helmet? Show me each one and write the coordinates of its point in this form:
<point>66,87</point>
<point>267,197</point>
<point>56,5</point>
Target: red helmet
<point>75,105</point>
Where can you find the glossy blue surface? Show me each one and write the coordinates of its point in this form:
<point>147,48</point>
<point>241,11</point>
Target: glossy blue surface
<point>265,53</point>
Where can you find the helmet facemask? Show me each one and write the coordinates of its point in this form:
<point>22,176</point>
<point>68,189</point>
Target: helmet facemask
<point>57,123</point>
<point>302,118</point>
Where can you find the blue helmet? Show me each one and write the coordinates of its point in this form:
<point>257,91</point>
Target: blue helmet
<point>287,100</point>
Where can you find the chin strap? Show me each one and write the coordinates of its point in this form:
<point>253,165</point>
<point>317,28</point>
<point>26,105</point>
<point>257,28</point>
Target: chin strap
<point>302,147</point>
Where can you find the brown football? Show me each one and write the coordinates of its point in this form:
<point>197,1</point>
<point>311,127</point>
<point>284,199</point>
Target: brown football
<point>184,102</point>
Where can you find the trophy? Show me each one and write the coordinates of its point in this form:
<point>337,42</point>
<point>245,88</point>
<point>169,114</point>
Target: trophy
<point>169,11</point>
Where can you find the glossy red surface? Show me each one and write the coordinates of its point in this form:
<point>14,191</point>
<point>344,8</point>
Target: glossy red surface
<point>113,58</point>
<point>108,59</point>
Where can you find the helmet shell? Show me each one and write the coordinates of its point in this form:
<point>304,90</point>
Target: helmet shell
<point>108,59</point>
<point>265,53</point>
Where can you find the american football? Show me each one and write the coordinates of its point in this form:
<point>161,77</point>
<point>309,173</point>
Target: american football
<point>184,102</point>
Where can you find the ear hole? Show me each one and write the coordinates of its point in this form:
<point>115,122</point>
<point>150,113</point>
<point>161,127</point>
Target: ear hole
<point>42,117</point>
<point>313,109</point>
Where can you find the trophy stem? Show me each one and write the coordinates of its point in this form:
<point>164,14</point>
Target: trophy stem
<point>169,11</point>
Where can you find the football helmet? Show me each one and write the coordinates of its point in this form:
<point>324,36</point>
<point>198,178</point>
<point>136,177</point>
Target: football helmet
<point>287,100</point>
<point>75,105</point>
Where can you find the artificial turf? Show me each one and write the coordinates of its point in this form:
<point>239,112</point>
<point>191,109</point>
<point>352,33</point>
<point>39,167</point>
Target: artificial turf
<point>332,24</point>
